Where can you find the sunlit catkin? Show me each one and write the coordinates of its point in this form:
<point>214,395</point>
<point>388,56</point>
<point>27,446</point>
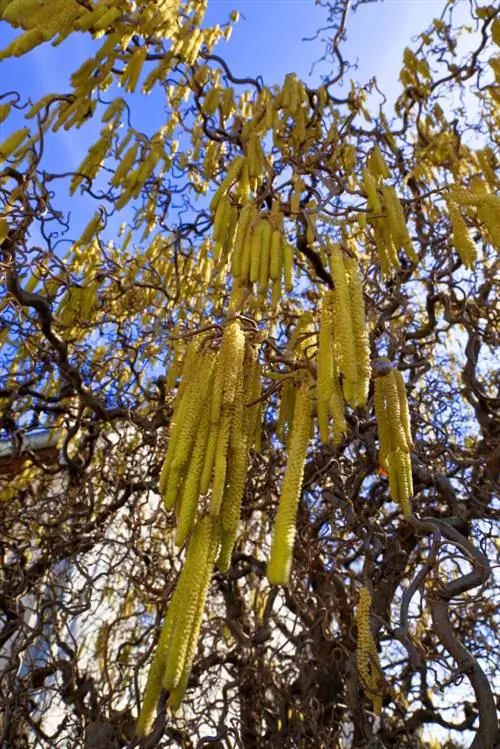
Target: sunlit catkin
<point>193,581</point>
<point>191,488</point>
<point>243,224</point>
<point>389,387</point>
<point>181,598</point>
<point>400,479</point>
<point>383,425</point>
<point>461,237</point>
<point>360,332</point>
<point>276,259</point>
<point>256,250</point>
<point>403,407</point>
<point>228,368</point>
<point>324,368</point>
<point>220,464</point>
<point>395,442</point>
<point>344,332</point>
<point>236,477</point>
<point>280,561</point>
<point>207,564</point>
<point>368,663</point>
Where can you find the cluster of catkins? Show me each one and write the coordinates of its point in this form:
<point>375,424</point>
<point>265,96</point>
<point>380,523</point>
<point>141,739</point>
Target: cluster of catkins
<point>368,662</point>
<point>213,426</point>
<point>215,423</point>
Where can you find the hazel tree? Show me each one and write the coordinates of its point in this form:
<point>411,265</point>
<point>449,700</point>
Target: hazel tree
<point>258,341</point>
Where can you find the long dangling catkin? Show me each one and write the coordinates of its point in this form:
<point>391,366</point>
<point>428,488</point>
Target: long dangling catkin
<point>256,254</point>
<point>344,332</point>
<point>191,580</point>
<point>207,564</point>
<point>377,164</point>
<point>361,342</point>
<point>370,188</point>
<point>183,594</point>
<point>390,389</point>
<point>461,237</point>
<point>395,442</point>
<point>264,258</point>
<point>246,253</point>
<point>239,241</point>
<point>400,479</point>
<point>190,370</point>
<point>208,463</point>
<point>403,407</point>
<point>191,487</point>
<point>369,669</point>
<point>228,368</point>
<point>198,391</point>
<point>287,265</point>
<point>276,259</point>
<point>324,368</point>
<point>280,561</point>
<point>220,465</point>
<point>383,426</point>
<point>236,478</point>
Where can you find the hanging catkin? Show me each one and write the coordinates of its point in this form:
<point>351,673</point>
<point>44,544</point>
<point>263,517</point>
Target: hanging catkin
<point>368,663</point>
<point>395,442</point>
<point>280,561</point>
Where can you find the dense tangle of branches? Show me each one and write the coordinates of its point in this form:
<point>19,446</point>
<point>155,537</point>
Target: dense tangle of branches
<point>94,319</point>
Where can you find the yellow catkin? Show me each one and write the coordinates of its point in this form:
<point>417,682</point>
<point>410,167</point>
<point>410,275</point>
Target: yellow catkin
<point>403,407</point>
<point>220,220</point>
<point>377,164</point>
<point>200,387</point>
<point>383,425</point>
<point>280,561</point>
<point>287,265</point>
<point>276,259</point>
<point>246,253</point>
<point>235,485</point>
<point>191,487</point>
<point>390,389</point>
<point>256,252</point>
<point>252,394</point>
<point>229,364</point>
<point>393,420</point>
<point>220,465</point>
<point>180,600</point>
<point>361,341</point>
<point>370,188</point>
<point>344,332</point>
<point>239,241</point>
<point>368,663</point>
<point>324,369</point>
<point>207,563</point>
<point>208,464</point>
<point>187,408</point>
<point>461,237</point>
<point>264,258</point>
<point>397,224</point>
<point>12,143</point>
<point>337,408</point>
<point>400,478</point>
<point>382,251</point>
<point>275,294</point>
<point>191,579</point>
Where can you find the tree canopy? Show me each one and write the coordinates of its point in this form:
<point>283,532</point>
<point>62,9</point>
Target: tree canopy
<point>248,393</point>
